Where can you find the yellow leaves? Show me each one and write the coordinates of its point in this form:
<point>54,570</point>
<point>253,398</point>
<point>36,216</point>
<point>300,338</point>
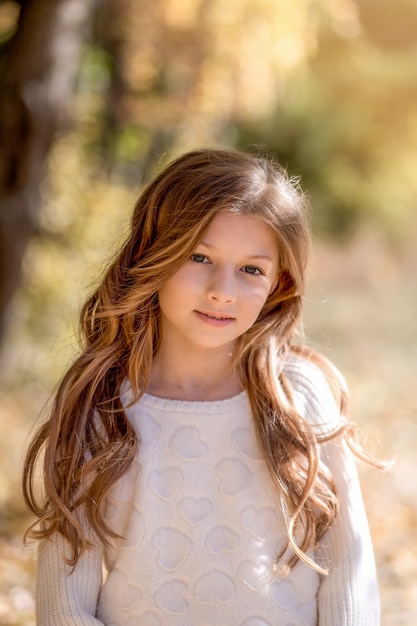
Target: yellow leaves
<point>193,65</point>
<point>9,15</point>
<point>344,15</point>
<point>182,14</point>
<point>255,44</point>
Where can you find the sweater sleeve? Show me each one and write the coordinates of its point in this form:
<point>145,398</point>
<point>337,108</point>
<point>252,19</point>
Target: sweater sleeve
<point>348,595</point>
<point>66,597</point>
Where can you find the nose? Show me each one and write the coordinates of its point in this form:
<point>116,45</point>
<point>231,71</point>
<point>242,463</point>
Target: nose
<point>222,285</point>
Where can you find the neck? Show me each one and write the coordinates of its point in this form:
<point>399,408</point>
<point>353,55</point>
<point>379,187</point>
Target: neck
<point>201,377</point>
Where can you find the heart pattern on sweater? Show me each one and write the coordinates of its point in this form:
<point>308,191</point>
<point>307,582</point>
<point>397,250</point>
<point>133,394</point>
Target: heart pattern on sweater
<point>234,476</point>
<point>221,539</point>
<point>255,620</point>
<point>215,586</point>
<point>201,522</point>
<point>195,510</point>
<point>166,483</point>
<point>173,548</point>
<point>170,597</point>
<point>256,577</point>
<point>258,522</point>
<point>148,619</point>
<point>186,444</point>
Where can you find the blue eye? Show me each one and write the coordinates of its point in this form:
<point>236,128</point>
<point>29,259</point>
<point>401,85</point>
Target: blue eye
<point>254,271</point>
<point>198,258</point>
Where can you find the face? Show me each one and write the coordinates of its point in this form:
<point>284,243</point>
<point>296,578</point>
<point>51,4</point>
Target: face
<point>219,292</point>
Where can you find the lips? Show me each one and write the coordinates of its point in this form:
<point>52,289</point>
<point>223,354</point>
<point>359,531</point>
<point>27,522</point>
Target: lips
<point>215,319</point>
<point>216,316</point>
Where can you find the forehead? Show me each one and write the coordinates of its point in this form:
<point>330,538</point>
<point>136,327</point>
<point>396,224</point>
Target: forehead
<point>232,229</point>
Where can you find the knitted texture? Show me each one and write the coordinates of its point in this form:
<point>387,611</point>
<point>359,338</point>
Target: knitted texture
<point>202,525</point>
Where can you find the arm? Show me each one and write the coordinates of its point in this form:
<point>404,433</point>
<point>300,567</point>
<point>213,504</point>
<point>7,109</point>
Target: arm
<point>65,597</point>
<point>349,595</point>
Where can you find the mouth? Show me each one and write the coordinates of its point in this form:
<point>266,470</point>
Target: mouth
<point>216,316</point>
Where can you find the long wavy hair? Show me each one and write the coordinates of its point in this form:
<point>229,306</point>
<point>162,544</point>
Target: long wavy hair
<point>88,443</point>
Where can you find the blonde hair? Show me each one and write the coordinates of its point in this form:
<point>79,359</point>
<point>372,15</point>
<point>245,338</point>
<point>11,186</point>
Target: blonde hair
<point>88,443</point>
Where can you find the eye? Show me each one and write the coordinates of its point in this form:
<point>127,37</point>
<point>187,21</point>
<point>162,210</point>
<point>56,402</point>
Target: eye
<point>199,258</point>
<point>253,270</point>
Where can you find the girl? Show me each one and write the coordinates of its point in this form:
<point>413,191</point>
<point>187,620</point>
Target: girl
<point>192,449</point>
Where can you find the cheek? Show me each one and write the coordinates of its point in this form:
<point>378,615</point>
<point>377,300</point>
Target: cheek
<point>177,288</point>
<point>166,294</point>
<point>258,297</point>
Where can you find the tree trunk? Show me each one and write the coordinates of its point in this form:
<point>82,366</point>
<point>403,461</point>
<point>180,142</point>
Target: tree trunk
<point>38,67</point>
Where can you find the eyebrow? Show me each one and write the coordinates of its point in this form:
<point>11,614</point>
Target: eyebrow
<point>258,257</point>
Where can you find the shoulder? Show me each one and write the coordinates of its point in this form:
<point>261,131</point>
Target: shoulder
<point>316,390</point>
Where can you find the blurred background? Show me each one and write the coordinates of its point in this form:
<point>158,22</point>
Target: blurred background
<point>97,95</point>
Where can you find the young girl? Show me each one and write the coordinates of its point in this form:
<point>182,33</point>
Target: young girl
<point>194,454</point>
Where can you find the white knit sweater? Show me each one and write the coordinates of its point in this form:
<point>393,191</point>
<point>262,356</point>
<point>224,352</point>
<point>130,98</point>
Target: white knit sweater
<point>202,525</point>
